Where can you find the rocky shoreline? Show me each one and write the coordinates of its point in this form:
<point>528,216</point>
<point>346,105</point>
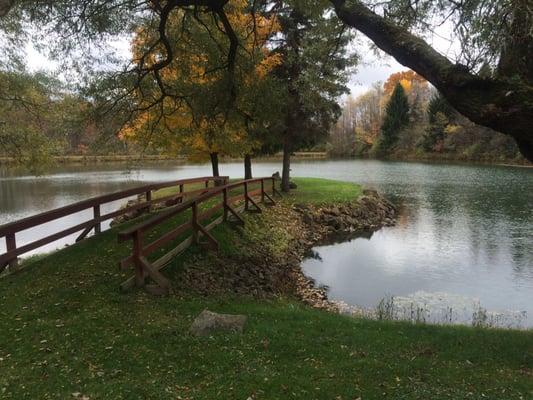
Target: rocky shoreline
<point>341,222</point>
<point>258,270</point>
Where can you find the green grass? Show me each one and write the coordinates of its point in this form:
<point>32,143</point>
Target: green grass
<point>310,190</point>
<point>316,191</point>
<point>65,328</point>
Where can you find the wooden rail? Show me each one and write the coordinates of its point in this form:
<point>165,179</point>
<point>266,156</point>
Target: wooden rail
<point>138,259</point>
<point>9,231</point>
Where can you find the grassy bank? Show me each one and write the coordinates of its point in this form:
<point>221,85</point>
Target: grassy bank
<point>67,332</point>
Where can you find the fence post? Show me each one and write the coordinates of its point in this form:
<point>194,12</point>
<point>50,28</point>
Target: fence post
<point>96,214</point>
<point>181,188</point>
<point>11,244</point>
<point>148,199</point>
<point>225,200</point>
<point>207,183</point>
<point>246,196</point>
<point>273,187</point>
<point>262,191</point>
<point>137,254</point>
<point>195,236</point>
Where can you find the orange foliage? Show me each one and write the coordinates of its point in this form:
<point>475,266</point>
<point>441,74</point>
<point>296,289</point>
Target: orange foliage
<point>177,130</point>
<point>406,78</point>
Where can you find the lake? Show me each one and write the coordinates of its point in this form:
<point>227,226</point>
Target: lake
<point>463,243</point>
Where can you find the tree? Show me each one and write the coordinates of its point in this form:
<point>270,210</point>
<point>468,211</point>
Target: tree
<point>416,89</point>
<point>503,102</point>
<point>30,127</point>
<point>265,102</point>
<point>358,127</point>
<point>369,114</point>
<point>315,67</point>
<point>342,135</point>
<point>493,32</point>
<point>406,78</point>
<point>439,116</point>
<point>396,118</point>
<point>219,112</point>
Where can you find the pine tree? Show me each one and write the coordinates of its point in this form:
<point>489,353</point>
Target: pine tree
<point>396,118</point>
<point>438,104</point>
<point>439,115</point>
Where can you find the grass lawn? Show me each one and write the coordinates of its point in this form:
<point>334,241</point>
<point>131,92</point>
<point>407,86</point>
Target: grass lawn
<point>66,332</point>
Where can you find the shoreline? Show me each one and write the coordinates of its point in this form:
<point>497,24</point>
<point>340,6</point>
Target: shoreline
<point>67,328</point>
<point>87,159</point>
<point>304,225</point>
<point>298,156</point>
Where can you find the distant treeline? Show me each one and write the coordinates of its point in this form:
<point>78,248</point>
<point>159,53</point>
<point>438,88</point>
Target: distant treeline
<point>407,119</point>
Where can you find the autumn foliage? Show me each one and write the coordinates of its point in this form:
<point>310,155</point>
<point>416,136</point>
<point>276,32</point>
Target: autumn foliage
<point>199,117</point>
<point>407,79</point>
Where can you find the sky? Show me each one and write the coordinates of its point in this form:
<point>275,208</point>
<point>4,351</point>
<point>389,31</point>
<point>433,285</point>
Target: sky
<point>372,67</point>
<point>370,70</point>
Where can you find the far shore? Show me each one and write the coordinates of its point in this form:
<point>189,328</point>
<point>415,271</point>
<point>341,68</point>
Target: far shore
<point>85,159</point>
<point>302,155</point>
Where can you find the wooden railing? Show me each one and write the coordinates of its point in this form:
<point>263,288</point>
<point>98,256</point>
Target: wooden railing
<point>227,199</point>
<point>9,231</point>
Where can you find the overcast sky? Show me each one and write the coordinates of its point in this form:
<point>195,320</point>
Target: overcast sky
<point>372,68</point>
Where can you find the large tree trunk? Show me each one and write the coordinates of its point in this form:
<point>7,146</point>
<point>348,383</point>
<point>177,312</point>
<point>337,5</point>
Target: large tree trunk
<point>214,163</point>
<point>5,7</point>
<point>247,166</point>
<point>501,104</point>
<point>286,171</point>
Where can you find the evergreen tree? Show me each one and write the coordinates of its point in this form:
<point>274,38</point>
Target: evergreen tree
<point>438,104</point>
<point>316,63</point>
<point>439,114</point>
<point>396,118</point>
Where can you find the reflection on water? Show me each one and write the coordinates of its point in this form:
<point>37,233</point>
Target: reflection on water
<point>464,236</point>
<point>463,232</point>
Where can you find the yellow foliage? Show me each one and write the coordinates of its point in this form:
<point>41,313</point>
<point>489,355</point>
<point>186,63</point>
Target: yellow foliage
<point>172,125</point>
<point>406,84</point>
<point>268,64</point>
<point>405,78</point>
<point>452,129</point>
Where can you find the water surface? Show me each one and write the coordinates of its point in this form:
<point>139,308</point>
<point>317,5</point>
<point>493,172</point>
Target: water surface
<point>464,234</point>
<point>463,244</point>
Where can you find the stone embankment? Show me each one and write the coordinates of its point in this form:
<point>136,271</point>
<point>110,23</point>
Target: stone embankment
<point>339,222</point>
<point>260,269</point>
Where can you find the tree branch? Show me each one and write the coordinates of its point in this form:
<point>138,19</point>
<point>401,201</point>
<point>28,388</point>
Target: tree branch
<point>501,104</point>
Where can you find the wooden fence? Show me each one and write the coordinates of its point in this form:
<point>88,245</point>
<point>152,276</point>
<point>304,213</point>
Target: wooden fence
<point>227,199</point>
<point>10,230</point>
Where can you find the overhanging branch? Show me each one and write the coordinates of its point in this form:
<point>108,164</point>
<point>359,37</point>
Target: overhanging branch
<point>504,105</point>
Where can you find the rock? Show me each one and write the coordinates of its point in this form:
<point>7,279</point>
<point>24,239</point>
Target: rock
<point>301,207</point>
<point>208,322</point>
<point>330,220</point>
<point>307,218</point>
<point>371,192</point>
<point>334,211</point>
<point>261,273</point>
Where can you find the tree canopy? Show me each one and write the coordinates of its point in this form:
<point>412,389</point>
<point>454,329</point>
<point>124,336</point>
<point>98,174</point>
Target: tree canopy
<point>193,104</point>
<point>489,81</point>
